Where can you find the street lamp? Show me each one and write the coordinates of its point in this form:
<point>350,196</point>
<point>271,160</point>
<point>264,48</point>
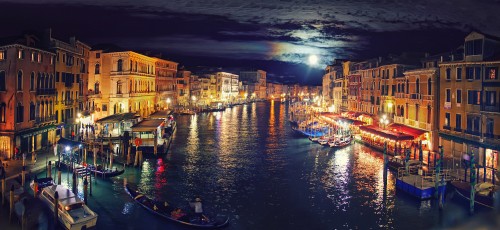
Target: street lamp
<point>384,121</point>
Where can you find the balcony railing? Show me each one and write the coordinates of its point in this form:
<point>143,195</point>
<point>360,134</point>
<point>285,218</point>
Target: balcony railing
<point>416,96</point>
<point>446,127</point>
<point>41,92</point>
<point>471,132</point>
<point>68,102</point>
<point>39,120</point>
<point>491,108</point>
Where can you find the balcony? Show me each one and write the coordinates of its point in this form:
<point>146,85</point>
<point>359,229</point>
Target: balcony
<point>67,102</point>
<point>471,132</point>
<point>446,127</point>
<point>40,120</point>
<point>416,96</point>
<point>458,130</point>
<point>401,95</point>
<point>128,72</point>
<point>447,105</point>
<point>68,84</point>
<point>491,108</point>
<point>42,92</point>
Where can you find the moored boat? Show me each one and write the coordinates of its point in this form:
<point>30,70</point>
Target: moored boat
<point>41,183</point>
<point>174,214</point>
<point>73,213</point>
<point>339,143</point>
<point>105,173</point>
<point>484,192</point>
<point>398,162</point>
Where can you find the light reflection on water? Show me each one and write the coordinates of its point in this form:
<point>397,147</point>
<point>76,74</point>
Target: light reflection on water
<point>247,163</point>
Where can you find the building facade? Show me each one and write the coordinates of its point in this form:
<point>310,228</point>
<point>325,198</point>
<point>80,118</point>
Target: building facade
<point>469,102</point>
<point>165,74</point>
<point>121,82</point>
<point>27,97</point>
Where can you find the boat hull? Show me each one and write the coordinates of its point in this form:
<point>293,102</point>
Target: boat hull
<point>464,189</point>
<point>417,192</point>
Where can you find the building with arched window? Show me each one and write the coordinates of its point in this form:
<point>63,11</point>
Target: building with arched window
<point>23,123</point>
<point>128,88</point>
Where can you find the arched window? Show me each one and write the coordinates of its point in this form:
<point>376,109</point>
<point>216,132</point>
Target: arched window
<point>407,86</point>
<point>2,81</point>
<point>32,111</point>
<point>120,65</point>
<point>119,87</point>
<point>96,87</point>
<point>46,78</point>
<point>429,86</point>
<point>97,68</point>
<point>32,81</point>
<point>418,86</point>
<point>130,87</point>
<point>20,80</point>
<point>19,112</point>
<point>3,108</point>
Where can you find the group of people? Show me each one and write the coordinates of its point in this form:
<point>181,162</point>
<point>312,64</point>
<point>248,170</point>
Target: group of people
<point>179,214</point>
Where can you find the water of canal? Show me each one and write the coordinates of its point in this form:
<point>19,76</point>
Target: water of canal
<point>247,163</point>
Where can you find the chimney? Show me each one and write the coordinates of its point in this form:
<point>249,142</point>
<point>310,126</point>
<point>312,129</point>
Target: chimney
<point>72,40</point>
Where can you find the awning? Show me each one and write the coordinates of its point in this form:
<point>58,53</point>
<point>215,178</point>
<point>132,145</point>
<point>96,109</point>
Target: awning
<point>147,125</point>
<point>406,129</point>
<point>352,121</point>
<point>161,114</point>
<point>118,118</point>
<point>386,133</point>
<point>468,141</point>
<point>35,131</point>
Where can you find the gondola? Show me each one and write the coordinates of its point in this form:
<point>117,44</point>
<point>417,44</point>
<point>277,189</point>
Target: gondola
<point>167,212</point>
<point>105,173</point>
<point>484,192</point>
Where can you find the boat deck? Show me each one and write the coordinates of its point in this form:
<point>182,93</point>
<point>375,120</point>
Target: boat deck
<point>418,181</point>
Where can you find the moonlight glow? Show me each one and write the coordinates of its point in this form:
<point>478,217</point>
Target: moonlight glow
<point>313,59</point>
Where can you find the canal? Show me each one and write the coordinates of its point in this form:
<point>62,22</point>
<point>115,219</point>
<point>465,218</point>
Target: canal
<point>247,163</point>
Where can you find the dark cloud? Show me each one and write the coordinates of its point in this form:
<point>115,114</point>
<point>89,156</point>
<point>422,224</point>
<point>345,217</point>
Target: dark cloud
<point>278,35</point>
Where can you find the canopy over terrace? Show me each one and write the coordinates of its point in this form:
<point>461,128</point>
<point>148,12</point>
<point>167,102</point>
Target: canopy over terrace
<point>150,131</point>
<point>406,129</point>
<point>161,114</point>
<point>395,136</point>
<point>116,124</point>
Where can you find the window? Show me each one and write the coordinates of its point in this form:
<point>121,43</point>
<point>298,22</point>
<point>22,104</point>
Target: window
<point>2,80</point>
<point>447,120</point>
<point>20,80</point>
<point>418,86</point>
<point>459,96</point>
<point>119,87</point>
<point>474,47</point>
<point>32,81</point>
<point>104,108</point>
<point>478,73</point>
<point>458,122</point>
<point>429,86</point>
<point>490,126</point>
<point>32,111</point>
<point>3,108</point>
<point>448,95</point>
<point>448,74</point>
<point>57,76</point>
<point>40,57</point>
<point>97,55</point>
<point>474,97</point>
<point>491,98</point>
<point>96,87</point>
<point>491,73</point>
<point>3,55</point>
<point>119,65</point>
<point>34,56</point>
<point>19,113</point>
<point>20,54</point>
<point>459,74</point>
<point>469,73</point>
<point>97,70</point>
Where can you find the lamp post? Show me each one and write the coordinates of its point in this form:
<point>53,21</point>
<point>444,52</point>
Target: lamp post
<point>384,121</point>
<point>168,103</point>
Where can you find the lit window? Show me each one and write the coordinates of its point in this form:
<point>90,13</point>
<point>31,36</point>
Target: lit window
<point>20,54</point>
<point>2,55</point>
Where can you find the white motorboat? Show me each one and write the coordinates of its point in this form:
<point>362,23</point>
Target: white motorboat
<point>73,213</point>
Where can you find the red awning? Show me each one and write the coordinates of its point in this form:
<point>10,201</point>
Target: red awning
<point>400,128</point>
<point>386,133</point>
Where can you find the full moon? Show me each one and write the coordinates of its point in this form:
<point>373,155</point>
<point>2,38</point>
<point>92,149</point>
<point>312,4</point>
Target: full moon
<point>313,59</point>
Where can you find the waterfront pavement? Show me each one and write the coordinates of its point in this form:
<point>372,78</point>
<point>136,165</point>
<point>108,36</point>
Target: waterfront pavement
<point>13,168</point>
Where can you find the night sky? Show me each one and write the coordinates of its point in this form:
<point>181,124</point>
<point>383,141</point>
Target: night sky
<point>276,36</point>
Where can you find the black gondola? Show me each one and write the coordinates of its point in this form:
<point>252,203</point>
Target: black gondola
<point>484,193</point>
<point>167,212</point>
<point>105,173</point>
